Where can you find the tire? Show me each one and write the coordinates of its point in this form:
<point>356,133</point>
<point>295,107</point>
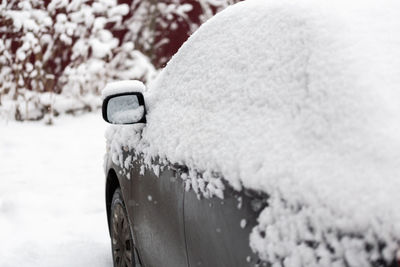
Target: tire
<point>123,250</point>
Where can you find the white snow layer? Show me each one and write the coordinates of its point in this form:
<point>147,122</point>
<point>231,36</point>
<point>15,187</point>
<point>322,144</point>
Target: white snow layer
<point>126,86</point>
<point>52,210</point>
<point>300,100</point>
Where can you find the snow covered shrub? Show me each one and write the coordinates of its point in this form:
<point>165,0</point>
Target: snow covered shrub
<point>159,28</point>
<point>55,56</point>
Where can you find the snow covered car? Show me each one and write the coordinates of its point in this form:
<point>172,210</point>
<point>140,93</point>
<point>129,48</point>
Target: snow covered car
<point>272,137</point>
<point>147,200</point>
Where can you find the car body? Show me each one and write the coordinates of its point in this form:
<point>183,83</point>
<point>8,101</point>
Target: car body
<point>250,147</point>
<point>171,227</point>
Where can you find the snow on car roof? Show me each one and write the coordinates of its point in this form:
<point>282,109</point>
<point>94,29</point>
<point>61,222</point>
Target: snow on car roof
<point>300,100</point>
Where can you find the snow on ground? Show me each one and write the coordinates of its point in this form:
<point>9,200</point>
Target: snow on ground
<point>52,210</point>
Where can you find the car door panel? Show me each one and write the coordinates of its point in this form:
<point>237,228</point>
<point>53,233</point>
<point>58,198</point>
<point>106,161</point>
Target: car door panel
<point>156,211</point>
<point>217,230</point>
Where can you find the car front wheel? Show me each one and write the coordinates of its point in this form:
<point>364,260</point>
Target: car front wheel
<point>123,250</point>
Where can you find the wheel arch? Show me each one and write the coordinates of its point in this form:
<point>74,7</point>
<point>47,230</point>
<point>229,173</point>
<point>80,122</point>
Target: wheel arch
<point>112,183</point>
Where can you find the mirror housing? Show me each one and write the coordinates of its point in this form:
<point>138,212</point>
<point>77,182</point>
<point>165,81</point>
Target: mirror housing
<point>124,108</point>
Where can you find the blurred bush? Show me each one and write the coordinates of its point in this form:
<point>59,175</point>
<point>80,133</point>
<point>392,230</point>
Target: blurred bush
<point>57,55</point>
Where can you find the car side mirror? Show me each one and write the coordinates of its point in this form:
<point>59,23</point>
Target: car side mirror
<point>124,108</point>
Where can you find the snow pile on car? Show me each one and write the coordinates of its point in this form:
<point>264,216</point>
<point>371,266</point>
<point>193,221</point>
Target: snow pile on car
<point>300,100</point>
<point>126,86</point>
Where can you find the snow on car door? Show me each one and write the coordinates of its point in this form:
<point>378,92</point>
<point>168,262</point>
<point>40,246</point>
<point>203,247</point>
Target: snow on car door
<point>157,216</point>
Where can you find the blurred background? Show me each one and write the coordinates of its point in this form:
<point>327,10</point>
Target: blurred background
<point>56,56</point>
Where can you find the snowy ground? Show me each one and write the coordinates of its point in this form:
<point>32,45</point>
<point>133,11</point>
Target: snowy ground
<point>52,194</point>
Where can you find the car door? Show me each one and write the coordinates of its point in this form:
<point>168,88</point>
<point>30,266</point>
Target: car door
<point>217,230</point>
<point>156,212</point>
